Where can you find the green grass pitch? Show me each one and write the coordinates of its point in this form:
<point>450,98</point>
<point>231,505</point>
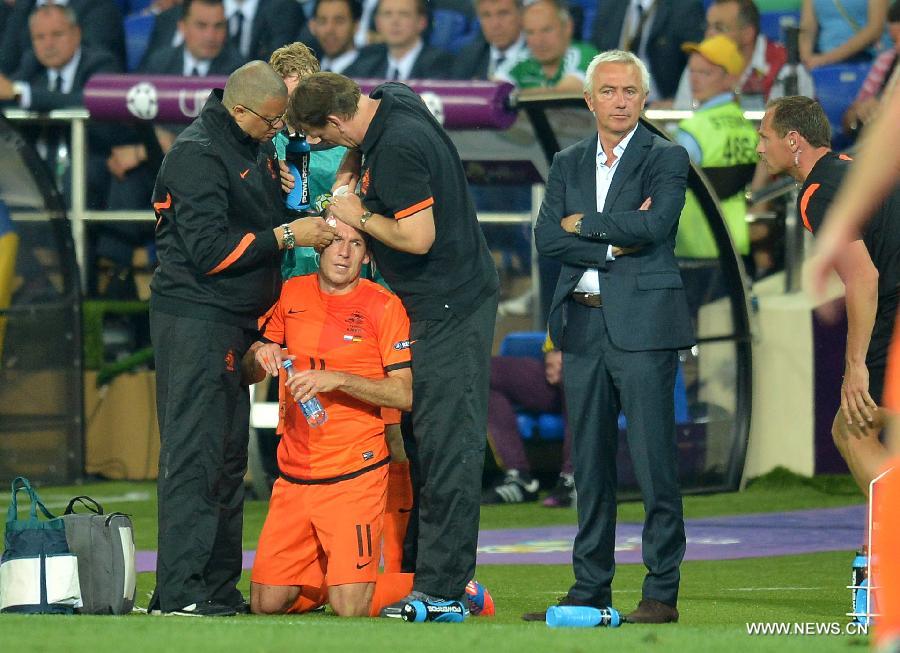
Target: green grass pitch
<point>718,598</point>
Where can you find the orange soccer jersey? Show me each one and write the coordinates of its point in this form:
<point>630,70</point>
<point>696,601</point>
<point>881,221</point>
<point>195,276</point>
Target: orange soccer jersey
<point>364,332</point>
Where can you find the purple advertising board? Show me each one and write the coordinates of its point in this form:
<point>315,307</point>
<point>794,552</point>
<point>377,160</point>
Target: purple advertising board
<point>167,98</point>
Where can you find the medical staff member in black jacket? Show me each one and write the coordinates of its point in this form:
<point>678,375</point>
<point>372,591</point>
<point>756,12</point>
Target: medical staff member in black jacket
<point>219,233</point>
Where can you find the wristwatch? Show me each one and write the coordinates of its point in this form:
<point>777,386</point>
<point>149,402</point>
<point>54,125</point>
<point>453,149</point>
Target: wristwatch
<point>288,240</point>
<point>363,219</point>
<point>578,226</point>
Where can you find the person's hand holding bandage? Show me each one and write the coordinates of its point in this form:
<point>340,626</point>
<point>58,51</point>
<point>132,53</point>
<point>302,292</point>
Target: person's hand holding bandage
<point>346,207</point>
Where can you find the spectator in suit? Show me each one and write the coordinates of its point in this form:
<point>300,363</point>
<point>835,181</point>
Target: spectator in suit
<point>265,26</point>
<point>655,30</point>
<point>204,50</point>
<point>556,61</point>
<point>257,27</point>
<point>135,160</point>
<point>764,71</point>
<point>52,76</point>
<point>100,22</point>
<point>499,47</point>
<point>403,55</point>
<point>333,24</point>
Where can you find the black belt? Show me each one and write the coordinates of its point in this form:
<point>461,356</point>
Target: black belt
<point>591,299</point>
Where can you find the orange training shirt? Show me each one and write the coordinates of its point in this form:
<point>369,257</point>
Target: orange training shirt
<point>364,332</point>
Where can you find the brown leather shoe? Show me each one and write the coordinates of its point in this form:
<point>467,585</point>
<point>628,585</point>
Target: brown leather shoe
<point>651,611</point>
<point>542,616</point>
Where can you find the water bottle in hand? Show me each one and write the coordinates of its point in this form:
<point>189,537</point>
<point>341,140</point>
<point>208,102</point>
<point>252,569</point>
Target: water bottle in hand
<point>312,408</point>
<point>296,155</point>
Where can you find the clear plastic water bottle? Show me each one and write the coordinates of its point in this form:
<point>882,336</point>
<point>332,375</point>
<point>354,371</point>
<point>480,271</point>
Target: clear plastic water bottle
<point>296,155</point>
<point>582,616</point>
<point>312,408</point>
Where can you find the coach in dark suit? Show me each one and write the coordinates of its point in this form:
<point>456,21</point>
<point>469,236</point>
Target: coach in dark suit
<point>655,31</point>
<point>619,315</point>
<point>100,21</point>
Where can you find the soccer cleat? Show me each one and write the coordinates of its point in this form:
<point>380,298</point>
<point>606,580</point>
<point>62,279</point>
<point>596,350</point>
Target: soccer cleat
<point>204,609</point>
<point>563,493</point>
<point>479,601</point>
<point>516,487</point>
<point>395,610</point>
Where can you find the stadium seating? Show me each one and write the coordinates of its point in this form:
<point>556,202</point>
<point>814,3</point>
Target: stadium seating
<point>137,35</point>
<point>549,426</point>
<point>451,29</point>
<point>836,88</point>
<point>770,23</point>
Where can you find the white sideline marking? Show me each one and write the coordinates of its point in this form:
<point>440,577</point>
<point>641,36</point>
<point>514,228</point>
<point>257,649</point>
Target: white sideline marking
<point>57,501</point>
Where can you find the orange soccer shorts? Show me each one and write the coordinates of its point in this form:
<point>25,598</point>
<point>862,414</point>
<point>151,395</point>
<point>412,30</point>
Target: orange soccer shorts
<point>323,534</point>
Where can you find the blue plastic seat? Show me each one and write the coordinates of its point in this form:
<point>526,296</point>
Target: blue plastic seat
<point>450,30</point>
<point>137,35</point>
<point>836,88</point>
<point>770,23</point>
<point>551,426</point>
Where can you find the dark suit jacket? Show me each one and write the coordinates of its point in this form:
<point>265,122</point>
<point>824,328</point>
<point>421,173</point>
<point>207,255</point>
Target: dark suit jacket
<point>643,295</point>
<point>276,23</point>
<point>101,27</point>
<point>373,62</point>
<point>473,61</point>
<point>170,61</point>
<point>92,61</point>
<point>675,22</point>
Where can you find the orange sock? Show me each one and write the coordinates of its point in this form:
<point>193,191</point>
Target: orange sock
<point>396,515</point>
<point>390,588</point>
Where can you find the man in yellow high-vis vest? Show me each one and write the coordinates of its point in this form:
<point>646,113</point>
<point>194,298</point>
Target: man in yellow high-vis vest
<point>723,143</point>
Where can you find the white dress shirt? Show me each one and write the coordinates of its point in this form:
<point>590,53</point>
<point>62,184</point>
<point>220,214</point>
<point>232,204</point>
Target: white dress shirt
<point>191,62</point>
<point>510,57</point>
<point>67,73</point>
<point>339,63</point>
<point>248,8</point>
<point>405,64</point>
<point>590,280</point>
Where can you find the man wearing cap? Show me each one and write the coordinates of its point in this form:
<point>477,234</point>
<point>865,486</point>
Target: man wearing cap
<point>720,140</point>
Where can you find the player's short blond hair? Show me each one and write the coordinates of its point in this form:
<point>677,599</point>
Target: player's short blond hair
<point>294,59</point>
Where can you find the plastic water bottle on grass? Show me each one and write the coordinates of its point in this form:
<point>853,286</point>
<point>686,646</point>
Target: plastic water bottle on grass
<point>581,616</point>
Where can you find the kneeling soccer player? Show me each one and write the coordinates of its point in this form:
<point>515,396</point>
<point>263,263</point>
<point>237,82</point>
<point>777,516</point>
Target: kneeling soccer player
<point>348,338</point>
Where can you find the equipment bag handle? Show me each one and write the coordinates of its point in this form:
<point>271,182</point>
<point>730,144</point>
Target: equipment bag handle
<point>85,501</point>
<point>21,483</point>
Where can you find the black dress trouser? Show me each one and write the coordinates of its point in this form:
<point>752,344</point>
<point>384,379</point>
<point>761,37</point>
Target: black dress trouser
<point>451,374</point>
<point>600,380</point>
<point>203,412</point>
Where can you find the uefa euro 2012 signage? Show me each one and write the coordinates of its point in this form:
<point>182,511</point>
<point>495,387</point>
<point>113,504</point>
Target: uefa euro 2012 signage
<point>175,99</point>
